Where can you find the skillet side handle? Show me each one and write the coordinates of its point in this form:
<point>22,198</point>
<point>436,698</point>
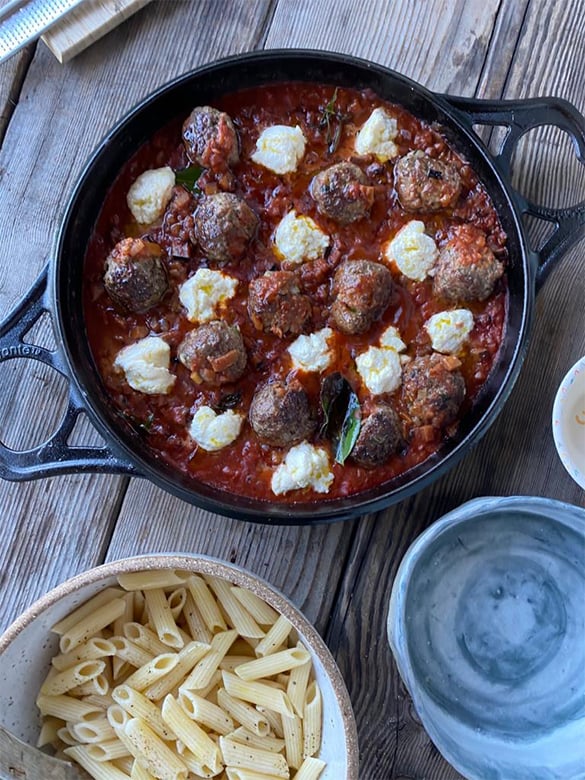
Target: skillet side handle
<point>53,456</point>
<point>519,116</point>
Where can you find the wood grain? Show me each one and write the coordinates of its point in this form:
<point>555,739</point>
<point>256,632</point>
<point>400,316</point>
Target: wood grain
<point>339,575</point>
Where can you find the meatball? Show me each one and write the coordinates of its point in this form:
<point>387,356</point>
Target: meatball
<point>281,415</point>
<point>342,193</point>
<point>380,436</point>
<point>276,305</point>
<point>424,183</point>
<point>223,226</point>
<point>214,353</point>
<point>362,291</point>
<point>467,269</point>
<point>210,138</point>
<point>433,389</point>
<point>135,276</point>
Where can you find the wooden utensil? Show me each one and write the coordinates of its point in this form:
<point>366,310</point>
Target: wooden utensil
<point>22,761</point>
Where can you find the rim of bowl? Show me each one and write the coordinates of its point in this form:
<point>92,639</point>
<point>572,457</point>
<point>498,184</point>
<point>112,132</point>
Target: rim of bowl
<point>568,514</point>
<point>558,423</point>
<point>216,567</point>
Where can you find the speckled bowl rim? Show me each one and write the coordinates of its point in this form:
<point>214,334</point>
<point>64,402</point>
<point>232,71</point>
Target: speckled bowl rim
<point>574,471</point>
<point>215,567</point>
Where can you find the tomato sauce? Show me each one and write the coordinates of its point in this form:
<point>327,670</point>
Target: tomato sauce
<point>246,466</point>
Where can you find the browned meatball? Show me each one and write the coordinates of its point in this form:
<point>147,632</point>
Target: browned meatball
<point>342,193</point>
<point>424,183</point>
<point>276,305</point>
<point>135,276</point>
<point>223,226</point>
<point>467,269</point>
<point>210,138</point>
<point>362,290</point>
<point>433,389</point>
<point>214,353</point>
<point>380,436</point>
<point>281,415</point>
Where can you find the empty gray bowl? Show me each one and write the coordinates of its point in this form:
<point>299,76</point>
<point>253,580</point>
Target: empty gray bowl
<point>487,625</point>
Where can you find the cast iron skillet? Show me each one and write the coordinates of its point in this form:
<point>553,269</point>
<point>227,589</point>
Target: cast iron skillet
<point>59,288</point>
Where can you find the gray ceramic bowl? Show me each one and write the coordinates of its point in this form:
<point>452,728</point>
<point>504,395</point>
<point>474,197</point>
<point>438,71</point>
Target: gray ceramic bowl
<point>487,625</point>
<point>27,646</point>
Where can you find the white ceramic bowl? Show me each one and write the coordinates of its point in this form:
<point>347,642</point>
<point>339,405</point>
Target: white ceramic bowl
<point>568,422</point>
<point>28,645</point>
<point>487,625</point>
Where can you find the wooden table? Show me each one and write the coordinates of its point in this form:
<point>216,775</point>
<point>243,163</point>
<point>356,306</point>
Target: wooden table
<point>340,575</point>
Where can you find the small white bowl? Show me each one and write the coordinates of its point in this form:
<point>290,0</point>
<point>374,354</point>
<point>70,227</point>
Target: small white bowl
<point>487,626</point>
<point>28,645</point>
<point>568,422</point>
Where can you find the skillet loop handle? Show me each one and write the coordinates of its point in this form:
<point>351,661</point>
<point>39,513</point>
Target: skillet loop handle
<point>54,456</point>
<point>520,116</point>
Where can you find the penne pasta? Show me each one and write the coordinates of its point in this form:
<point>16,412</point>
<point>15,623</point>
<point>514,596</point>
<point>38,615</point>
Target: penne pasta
<point>205,712</point>
<point>139,773</point>
<point>296,688</point>
<point>240,619</point>
<point>48,732</point>
<point>138,706</point>
<point>310,769</point>
<point>94,648</point>
<point>70,678</point>
<point>312,717</point>
<point>258,693</point>
<point>162,619</point>
<point>108,751</point>
<point>276,636</point>
<point>133,654</point>
<point>67,708</point>
<point>98,730</point>
<point>192,735</point>
<point>100,770</point>
<point>143,697</point>
<point>176,601</point>
<point>149,580</point>
<point>195,622</point>
<point>270,665</point>
<point>152,753</point>
<point>234,773</point>
<point>206,604</point>
<point>245,757</point>
<point>103,597</point>
<point>267,742</point>
<point>257,607</point>
<point>209,663</point>
<point>273,718</point>
<point>148,674</point>
<point>144,637</point>
<point>293,740</point>
<point>90,624</point>
<point>243,713</point>
<point>186,660</point>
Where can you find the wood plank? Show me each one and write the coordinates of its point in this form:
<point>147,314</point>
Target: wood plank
<point>441,45</point>
<point>515,457</point>
<point>60,526</point>
<point>305,563</point>
<point>12,74</point>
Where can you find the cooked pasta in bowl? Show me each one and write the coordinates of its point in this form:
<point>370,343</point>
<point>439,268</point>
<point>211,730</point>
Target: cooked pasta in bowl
<point>176,666</point>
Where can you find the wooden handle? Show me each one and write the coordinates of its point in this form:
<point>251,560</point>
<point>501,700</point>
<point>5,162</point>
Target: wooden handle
<point>22,761</point>
<point>86,24</point>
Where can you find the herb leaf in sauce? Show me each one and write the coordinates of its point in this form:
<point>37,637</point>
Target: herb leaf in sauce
<point>341,413</point>
<point>333,119</point>
<point>229,401</point>
<point>188,178</point>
